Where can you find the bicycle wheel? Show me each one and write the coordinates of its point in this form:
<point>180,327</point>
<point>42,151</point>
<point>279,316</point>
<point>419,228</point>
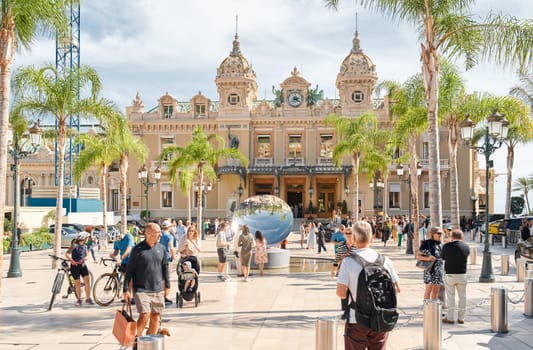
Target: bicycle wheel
<point>56,288</point>
<point>105,289</point>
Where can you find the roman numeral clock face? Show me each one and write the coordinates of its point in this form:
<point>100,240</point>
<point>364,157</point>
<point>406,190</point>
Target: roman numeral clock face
<point>295,99</point>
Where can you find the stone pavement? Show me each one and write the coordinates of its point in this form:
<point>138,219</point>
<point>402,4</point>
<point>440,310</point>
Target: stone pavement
<point>277,311</point>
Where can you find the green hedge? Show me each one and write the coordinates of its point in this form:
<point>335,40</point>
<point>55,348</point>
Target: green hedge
<point>32,241</point>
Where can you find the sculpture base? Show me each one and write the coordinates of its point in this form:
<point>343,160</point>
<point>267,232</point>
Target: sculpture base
<point>277,259</point>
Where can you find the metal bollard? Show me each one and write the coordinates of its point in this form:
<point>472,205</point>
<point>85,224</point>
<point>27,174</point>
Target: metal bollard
<point>491,239</point>
<point>432,325</point>
<point>520,269</point>
<point>498,310</point>
<point>528,303</point>
<point>473,255</point>
<point>504,241</point>
<point>326,333</point>
<point>505,265</point>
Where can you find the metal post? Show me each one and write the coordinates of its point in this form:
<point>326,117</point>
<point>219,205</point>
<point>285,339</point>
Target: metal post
<point>14,262</point>
<point>486,268</point>
<point>505,265</point>
<point>520,269</point>
<point>528,303</point>
<point>473,255</point>
<point>409,249</point>
<point>498,310</point>
<point>432,325</point>
<point>326,333</point>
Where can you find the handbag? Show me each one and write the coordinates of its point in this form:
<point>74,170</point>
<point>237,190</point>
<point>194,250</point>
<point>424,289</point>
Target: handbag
<point>425,265</point>
<point>124,327</point>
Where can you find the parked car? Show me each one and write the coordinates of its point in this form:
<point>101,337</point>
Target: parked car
<point>67,235</point>
<point>75,227</point>
<point>479,220</point>
<point>494,227</point>
<point>524,249</point>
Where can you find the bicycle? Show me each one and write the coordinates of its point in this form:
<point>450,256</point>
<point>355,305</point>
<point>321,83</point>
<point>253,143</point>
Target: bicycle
<point>106,288</point>
<point>63,270</point>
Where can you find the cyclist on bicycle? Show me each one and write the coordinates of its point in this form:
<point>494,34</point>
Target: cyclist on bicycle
<point>77,254</point>
<point>122,249</point>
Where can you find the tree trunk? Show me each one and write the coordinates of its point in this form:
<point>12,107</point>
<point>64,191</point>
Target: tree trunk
<point>414,193</point>
<point>510,163</point>
<point>103,187</point>
<point>123,171</point>
<point>454,187</point>
<point>430,73</point>
<point>200,199</point>
<point>61,141</point>
<point>7,52</point>
<point>355,161</point>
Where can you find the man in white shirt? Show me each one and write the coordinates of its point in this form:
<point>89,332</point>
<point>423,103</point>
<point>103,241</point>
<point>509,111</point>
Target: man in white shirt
<point>356,336</point>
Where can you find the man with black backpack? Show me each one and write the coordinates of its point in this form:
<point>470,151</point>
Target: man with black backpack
<point>370,283</point>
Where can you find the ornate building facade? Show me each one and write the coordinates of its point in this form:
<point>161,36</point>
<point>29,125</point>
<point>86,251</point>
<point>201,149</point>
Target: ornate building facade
<point>288,146</point>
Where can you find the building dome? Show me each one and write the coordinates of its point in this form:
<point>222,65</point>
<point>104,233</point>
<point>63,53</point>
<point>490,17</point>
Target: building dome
<point>235,65</point>
<point>357,63</point>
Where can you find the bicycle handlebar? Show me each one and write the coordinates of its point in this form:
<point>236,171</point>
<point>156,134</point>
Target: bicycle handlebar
<point>57,258</point>
<point>104,260</point>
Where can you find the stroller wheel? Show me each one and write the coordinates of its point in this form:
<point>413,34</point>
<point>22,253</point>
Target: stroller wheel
<point>180,301</point>
<point>196,301</point>
<point>198,295</point>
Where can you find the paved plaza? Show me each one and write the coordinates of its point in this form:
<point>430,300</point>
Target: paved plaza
<point>277,311</point>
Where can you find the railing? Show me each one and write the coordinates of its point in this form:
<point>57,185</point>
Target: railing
<point>325,161</point>
<point>295,161</point>
<point>263,161</point>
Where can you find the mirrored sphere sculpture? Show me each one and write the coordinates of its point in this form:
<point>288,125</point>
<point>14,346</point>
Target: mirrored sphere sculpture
<point>266,213</point>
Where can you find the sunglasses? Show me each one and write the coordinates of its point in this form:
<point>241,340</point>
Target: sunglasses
<point>438,233</point>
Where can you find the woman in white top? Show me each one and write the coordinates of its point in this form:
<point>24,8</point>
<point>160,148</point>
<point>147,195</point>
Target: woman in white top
<point>311,236</point>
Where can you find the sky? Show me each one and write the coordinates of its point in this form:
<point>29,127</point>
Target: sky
<point>154,47</point>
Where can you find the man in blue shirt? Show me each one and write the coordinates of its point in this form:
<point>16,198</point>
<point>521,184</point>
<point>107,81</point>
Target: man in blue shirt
<point>338,237</point>
<point>122,250</point>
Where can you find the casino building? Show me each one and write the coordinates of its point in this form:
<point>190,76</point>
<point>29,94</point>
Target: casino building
<point>288,146</point>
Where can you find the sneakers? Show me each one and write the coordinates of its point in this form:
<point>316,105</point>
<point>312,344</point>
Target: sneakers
<point>445,320</point>
<point>78,303</point>
<point>461,321</point>
<point>221,278</point>
<point>168,301</point>
<point>89,301</point>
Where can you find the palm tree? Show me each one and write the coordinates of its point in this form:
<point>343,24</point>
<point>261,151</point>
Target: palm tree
<point>452,91</point>
<point>523,184</point>
<point>358,138</point>
<point>46,91</point>
<point>201,154</point>
<point>525,90</point>
<point>21,19</point>
<point>449,28</point>
<point>520,132</point>
<point>409,104</point>
<point>123,144</point>
<point>96,151</point>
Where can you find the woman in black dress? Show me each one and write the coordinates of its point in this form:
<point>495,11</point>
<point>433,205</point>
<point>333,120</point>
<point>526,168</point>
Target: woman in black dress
<point>430,251</point>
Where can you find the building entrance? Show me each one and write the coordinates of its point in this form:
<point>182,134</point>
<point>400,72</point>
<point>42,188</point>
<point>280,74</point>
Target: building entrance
<point>294,200</point>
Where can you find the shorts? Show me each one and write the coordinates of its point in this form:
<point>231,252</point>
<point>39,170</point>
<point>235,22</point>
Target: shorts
<point>149,302</point>
<point>78,270</point>
<point>123,268</point>
<point>222,257</point>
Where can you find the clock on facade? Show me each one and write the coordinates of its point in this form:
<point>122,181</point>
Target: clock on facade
<point>295,99</point>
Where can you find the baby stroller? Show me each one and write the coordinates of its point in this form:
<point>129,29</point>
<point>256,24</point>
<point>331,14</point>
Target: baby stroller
<point>192,292</point>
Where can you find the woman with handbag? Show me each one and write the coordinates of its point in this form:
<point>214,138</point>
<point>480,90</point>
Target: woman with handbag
<point>246,242</point>
<point>430,251</point>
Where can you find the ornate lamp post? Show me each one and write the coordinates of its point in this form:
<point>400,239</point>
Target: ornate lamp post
<point>203,192</point>
<point>144,177</point>
<point>494,134</point>
<point>399,172</point>
<point>18,151</point>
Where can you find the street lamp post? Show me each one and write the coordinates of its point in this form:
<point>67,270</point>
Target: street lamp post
<point>202,192</point>
<point>494,134</point>
<point>17,152</point>
<point>399,172</point>
<point>144,177</point>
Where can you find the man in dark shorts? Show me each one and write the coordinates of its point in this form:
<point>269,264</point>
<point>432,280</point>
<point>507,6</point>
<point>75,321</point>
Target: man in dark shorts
<point>77,253</point>
<point>222,247</point>
<point>148,272</point>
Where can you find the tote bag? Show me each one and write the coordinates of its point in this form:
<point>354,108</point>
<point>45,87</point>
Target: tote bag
<point>124,327</point>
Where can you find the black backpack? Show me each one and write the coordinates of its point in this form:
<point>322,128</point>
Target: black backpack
<point>375,307</point>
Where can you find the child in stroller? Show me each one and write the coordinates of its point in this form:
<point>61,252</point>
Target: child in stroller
<point>187,281</point>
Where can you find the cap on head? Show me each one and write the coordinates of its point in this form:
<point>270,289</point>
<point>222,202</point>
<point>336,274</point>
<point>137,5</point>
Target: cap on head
<point>447,226</point>
<point>188,264</point>
<point>165,224</point>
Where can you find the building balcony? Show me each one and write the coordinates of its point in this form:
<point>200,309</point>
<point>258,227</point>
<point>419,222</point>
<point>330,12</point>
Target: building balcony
<point>295,161</point>
<point>263,161</point>
<point>324,161</point>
